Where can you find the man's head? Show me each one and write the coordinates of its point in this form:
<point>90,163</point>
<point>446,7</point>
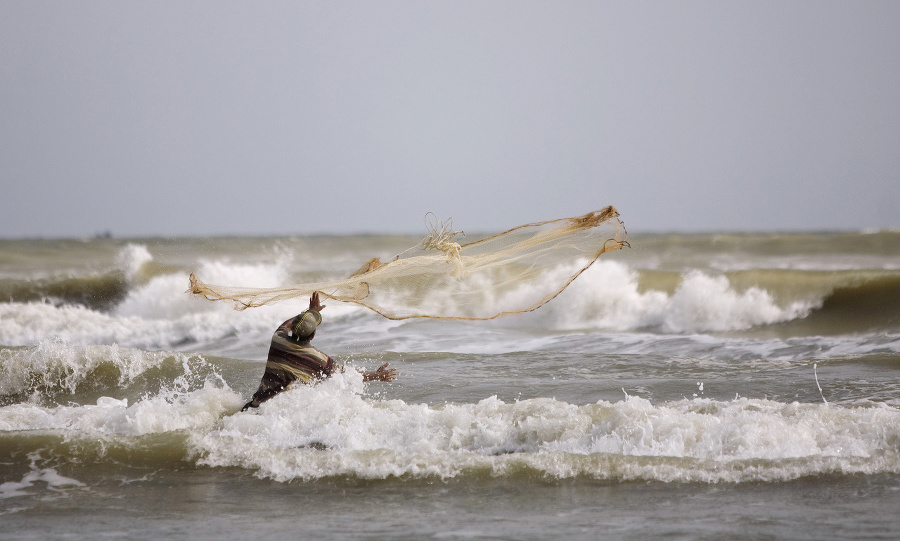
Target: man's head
<point>303,328</point>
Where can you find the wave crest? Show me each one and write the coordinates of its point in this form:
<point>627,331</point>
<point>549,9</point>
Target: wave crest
<point>609,296</point>
<point>53,373</point>
<point>333,431</point>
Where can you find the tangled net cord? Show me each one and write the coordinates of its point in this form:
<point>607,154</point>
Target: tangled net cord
<point>442,237</point>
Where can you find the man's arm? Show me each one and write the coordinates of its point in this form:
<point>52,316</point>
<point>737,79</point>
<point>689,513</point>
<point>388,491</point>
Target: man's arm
<point>382,374</point>
<point>314,304</point>
<point>285,328</point>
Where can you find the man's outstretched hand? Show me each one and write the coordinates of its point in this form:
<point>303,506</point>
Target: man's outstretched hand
<point>314,303</point>
<point>382,374</point>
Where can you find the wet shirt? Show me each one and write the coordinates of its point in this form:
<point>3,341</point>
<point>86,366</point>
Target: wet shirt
<point>291,361</point>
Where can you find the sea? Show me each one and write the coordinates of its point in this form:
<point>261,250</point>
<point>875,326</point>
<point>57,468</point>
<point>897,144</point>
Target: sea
<point>692,386</point>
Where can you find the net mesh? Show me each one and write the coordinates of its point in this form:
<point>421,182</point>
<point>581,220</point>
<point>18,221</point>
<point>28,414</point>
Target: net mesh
<point>516,271</point>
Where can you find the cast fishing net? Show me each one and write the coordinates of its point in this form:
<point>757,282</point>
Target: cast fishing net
<point>516,271</point>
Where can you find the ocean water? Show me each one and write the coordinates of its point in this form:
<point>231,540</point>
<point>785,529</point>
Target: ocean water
<point>692,387</point>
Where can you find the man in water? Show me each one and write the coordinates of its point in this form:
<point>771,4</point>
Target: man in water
<point>292,358</point>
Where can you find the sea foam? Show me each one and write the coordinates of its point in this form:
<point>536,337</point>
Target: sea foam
<point>337,428</point>
<point>334,430</point>
<point>158,313</point>
<point>608,297</point>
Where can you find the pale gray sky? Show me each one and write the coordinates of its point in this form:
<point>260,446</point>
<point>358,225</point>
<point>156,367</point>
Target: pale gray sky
<point>224,117</point>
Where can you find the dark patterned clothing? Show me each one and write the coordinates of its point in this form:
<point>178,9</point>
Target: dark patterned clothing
<point>290,361</point>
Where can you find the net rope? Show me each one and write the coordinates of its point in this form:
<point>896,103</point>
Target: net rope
<point>518,270</point>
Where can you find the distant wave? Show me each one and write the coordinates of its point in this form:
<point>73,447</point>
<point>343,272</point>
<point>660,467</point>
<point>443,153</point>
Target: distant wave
<point>95,292</point>
<point>100,291</point>
<point>144,304</point>
<point>614,296</point>
<point>871,305</point>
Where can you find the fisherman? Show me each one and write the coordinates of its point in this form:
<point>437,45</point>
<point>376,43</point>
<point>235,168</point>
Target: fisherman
<point>292,358</point>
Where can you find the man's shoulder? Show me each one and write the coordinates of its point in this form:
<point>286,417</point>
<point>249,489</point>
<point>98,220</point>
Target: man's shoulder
<point>285,343</point>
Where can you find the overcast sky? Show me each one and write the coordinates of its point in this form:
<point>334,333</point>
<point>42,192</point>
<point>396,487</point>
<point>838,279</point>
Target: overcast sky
<point>222,117</point>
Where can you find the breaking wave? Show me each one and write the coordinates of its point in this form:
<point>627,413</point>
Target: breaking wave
<point>336,429</point>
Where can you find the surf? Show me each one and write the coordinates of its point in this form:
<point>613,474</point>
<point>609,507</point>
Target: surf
<point>98,402</point>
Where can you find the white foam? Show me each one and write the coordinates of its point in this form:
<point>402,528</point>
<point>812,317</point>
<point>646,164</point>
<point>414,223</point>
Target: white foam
<point>52,367</point>
<point>165,296</point>
<point>30,323</point>
<point>607,296</point>
<point>336,429</point>
<point>49,476</point>
<point>158,313</point>
<point>132,259</point>
<point>709,303</point>
<point>333,430</point>
<point>112,417</point>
